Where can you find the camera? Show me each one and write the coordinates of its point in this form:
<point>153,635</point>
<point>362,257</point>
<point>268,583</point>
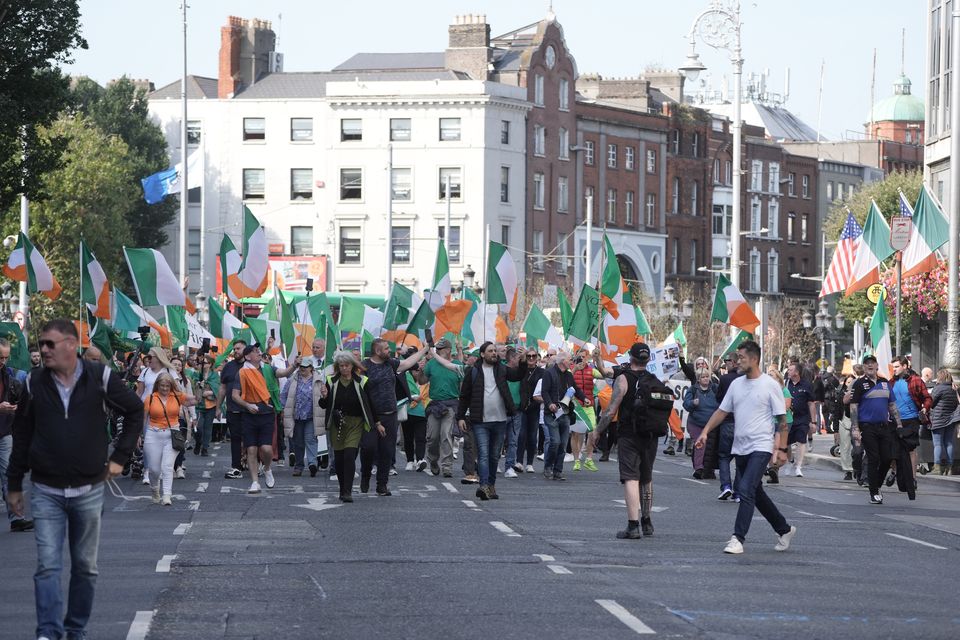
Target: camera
<point>144,332</point>
<point>578,360</point>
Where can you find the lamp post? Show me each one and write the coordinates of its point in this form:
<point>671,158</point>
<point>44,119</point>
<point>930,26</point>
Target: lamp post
<point>951,351</point>
<point>824,324</point>
<point>719,27</point>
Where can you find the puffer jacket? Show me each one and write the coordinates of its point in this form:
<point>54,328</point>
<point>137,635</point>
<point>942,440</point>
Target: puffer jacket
<point>944,404</point>
<point>700,413</point>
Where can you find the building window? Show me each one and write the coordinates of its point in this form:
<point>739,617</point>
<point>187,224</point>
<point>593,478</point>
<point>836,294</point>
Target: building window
<point>830,191</point>
<point>850,192</point>
<point>194,195</point>
<point>538,191</point>
<point>756,175</point>
<point>564,144</point>
<point>301,184</point>
<point>651,210</point>
<point>695,145</point>
<point>773,180</point>
<point>791,180</point>
<point>449,129</point>
<point>790,228</point>
<point>349,245</point>
<point>755,216</point>
<point>611,205</point>
<point>773,218</point>
<point>805,186</point>
<point>538,251</point>
<point>675,198</point>
<point>694,198</point>
<point>651,160</point>
<point>588,152</point>
<point>193,250</point>
<point>804,218</point>
<point>453,247</point>
<point>400,130</point>
<point>539,140</point>
<point>301,129</point>
<point>504,132</point>
<point>538,90</point>
<point>773,271</point>
<point>564,94</point>
<point>716,171</point>
<point>351,129</point>
<point>722,219</point>
<point>254,129</point>
<point>563,194</point>
<point>675,141</point>
<point>804,266</point>
<point>628,205</point>
<point>674,255</point>
<point>754,270</point>
<point>193,132</point>
<point>561,254</point>
<point>453,173</point>
<point>791,265</point>
<point>728,172</point>
<point>301,241</point>
<point>612,156</point>
<point>693,257</point>
<point>504,184</point>
<point>628,158</point>
<point>505,235</point>
<point>254,184</point>
<point>400,245</point>
<point>351,184</point>
<point>401,185</point>
<point>840,189</point>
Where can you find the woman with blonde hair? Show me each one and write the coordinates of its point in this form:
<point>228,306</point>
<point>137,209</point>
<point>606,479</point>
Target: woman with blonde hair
<point>162,408</point>
<point>156,362</point>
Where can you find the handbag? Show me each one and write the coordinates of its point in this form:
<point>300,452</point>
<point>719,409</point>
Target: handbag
<point>177,437</point>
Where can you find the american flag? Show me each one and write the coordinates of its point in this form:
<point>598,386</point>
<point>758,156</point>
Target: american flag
<point>905,208</point>
<point>841,267</point>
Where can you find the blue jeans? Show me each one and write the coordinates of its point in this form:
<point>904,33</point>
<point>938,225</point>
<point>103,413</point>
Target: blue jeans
<point>304,444</point>
<point>489,437</point>
<point>724,444</point>
<point>943,440</point>
<point>555,434</point>
<point>750,468</point>
<point>514,431</point>
<point>56,518</point>
<point>6,448</point>
<point>204,428</point>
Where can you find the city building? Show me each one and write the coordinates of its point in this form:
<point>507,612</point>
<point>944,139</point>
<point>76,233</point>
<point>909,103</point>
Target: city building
<point>936,160</point>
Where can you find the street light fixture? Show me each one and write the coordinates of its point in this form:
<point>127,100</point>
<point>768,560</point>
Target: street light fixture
<point>468,277</point>
<point>687,308</point>
<point>719,27</point>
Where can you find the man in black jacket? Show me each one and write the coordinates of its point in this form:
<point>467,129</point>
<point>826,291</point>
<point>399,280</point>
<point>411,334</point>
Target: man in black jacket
<point>557,381</point>
<point>59,435</point>
<point>485,396</point>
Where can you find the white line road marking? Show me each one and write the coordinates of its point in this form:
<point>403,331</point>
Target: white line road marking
<point>470,503</point>
<point>449,487</point>
<point>817,515</point>
<point>657,471</point>
<point>202,487</point>
<point>915,541</point>
<point>194,505</point>
<point>623,503</point>
<point>182,529</point>
<point>140,625</point>
<point>625,616</point>
<point>501,527</point>
<point>163,565</point>
<point>696,481</point>
<point>211,463</point>
<point>206,474</point>
<point>556,568</point>
<point>544,557</point>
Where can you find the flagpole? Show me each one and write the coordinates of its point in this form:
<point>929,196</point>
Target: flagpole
<point>446,229</point>
<point>183,153</point>
<point>951,350</point>
<point>80,297</point>
<point>389,274</point>
<point>201,295</point>
<point>899,296</point>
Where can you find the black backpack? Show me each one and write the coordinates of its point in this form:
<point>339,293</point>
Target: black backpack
<point>649,403</point>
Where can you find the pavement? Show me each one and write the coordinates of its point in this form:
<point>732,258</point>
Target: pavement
<point>433,561</point>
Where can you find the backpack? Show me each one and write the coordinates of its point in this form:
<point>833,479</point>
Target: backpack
<point>650,403</point>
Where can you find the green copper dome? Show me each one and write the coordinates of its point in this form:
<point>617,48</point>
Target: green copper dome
<point>901,106</point>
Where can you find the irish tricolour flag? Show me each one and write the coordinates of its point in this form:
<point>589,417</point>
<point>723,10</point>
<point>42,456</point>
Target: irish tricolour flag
<point>930,232</point>
<point>153,279</point>
<point>27,265</point>
<point>880,337</point>
<point>730,306</point>
<point>94,286</point>
<point>501,278</point>
<point>873,249</point>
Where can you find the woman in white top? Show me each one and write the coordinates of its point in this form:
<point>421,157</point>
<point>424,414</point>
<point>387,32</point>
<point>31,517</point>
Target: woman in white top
<point>156,362</point>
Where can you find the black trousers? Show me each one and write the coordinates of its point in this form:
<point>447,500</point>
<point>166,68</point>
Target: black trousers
<point>379,451</point>
<point>415,438</point>
<point>880,443</point>
<point>236,439</point>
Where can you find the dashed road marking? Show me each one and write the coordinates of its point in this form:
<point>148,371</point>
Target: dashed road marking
<point>558,569</point>
<point>211,463</point>
<point>694,480</point>
<point>503,528</point>
<point>817,515</point>
<point>182,529</point>
<point>624,616</point>
<point>140,625</point>
<point>449,487</point>
<point>202,487</point>
<point>469,503</point>
<point>544,557</point>
<point>163,564</point>
<point>915,541</point>
<point>206,474</point>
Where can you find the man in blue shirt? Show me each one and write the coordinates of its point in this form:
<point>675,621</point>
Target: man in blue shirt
<point>804,408</point>
<point>870,412</point>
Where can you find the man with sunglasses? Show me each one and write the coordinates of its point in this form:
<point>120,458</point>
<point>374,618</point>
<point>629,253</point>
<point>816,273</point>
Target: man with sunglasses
<point>58,436</point>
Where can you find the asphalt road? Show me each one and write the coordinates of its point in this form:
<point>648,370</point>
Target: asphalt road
<point>432,561</point>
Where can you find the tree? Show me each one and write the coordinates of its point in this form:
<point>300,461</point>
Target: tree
<point>35,36</point>
<point>786,335</point>
<point>89,196</point>
<point>121,109</point>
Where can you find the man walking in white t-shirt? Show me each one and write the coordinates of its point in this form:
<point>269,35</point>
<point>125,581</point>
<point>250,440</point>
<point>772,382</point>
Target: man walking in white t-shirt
<point>757,403</point>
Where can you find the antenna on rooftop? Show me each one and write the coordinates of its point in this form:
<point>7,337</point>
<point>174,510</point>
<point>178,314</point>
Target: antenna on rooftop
<point>903,52</point>
<point>279,28</point>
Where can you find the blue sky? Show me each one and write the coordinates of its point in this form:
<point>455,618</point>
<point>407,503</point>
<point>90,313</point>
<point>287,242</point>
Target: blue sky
<point>612,37</point>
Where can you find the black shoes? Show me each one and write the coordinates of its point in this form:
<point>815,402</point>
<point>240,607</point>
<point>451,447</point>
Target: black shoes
<point>698,474</point>
<point>204,453</point>
<point>670,451</point>
<point>629,534</point>
<point>324,461</point>
<point>364,484</point>
<point>313,471</point>
<point>891,478</point>
<point>346,497</point>
<point>773,475</point>
<point>21,525</point>
<point>383,491</point>
<point>605,457</point>
<point>647,526</point>
<point>482,493</point>
<point>848,475</point>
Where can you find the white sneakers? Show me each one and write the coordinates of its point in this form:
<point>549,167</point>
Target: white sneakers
<point>180,474</point>
<point>568,457</point>
<point>156,495</point>
<point>783,542</point>
<point>409,466</point>
<point>254,487</point>
<point>799,472</point>
<point>268,478</point>
<point>167,501</point>
<point>734,546</point>
<point>530,469</point>
<point>510,473</point>
<point>421,465</point>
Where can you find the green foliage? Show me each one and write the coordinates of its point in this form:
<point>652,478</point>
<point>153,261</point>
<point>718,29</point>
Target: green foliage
<point>121,110</point>
<point>35,35</point>
<point>89,195</point>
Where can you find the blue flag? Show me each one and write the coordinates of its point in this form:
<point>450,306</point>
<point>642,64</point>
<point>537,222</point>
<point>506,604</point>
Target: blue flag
<point>157,186</point>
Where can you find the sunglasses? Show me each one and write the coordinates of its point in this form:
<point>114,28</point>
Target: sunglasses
<point>532,356</point>
<point>49,344</point>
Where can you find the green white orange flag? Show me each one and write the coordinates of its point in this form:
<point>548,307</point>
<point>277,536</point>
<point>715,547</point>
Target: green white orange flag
<point>620,330</point>
<point>566,311</point>
<point>930,232</point>
<point>586,414</point>
<point>26,264</point>
<point>128,316</point>
<point>880,338</point>
<point>292,342</point>
<point>502,278</point>
<point>736,342</point>
<point>252,276</point>
<point>643,327</point>
<point>153,279</point>
<point>611,282</point>
<point>94,286</point>
<point>540,333</point>
<point>873,249</point>
<point>451,317</point>
<point>223,324</point>
<point>230,262</point>
<point>586,317</point>
<point>731,307</point>
<point>401,305</point>
<point>439,293</point>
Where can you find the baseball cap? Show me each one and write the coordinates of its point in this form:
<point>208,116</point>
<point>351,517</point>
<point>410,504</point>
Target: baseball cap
<point>442,343</point>
<point>308,361</point>
<point>639,351</point>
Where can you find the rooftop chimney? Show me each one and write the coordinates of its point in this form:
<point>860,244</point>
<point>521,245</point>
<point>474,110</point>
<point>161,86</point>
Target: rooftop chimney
<point>245,54</point>
<point>469,49</point>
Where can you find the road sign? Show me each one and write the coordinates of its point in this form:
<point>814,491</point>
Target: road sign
<point>876,293</point>
<point>900,230</point>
